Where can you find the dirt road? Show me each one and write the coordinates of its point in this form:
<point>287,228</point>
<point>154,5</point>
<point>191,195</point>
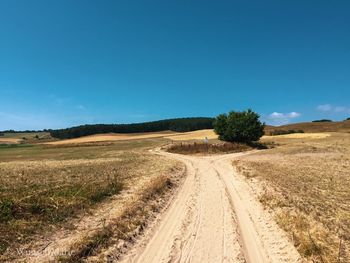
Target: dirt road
<point>214,217</point>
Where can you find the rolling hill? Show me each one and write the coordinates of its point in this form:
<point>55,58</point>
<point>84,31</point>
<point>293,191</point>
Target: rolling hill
<point>341,126</point>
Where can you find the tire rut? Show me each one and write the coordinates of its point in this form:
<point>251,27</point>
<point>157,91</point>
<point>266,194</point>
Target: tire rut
<point>214,218</point>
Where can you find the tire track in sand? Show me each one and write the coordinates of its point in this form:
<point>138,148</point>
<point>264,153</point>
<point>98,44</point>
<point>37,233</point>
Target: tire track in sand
<point>214,218</point>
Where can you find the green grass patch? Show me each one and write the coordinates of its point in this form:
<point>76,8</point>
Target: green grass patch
<point>14,146</point>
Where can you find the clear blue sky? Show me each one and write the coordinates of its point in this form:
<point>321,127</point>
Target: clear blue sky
<point>65,63</point>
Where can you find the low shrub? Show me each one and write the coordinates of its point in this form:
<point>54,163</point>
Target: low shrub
<point>283,132</point>
<point>202,148</point>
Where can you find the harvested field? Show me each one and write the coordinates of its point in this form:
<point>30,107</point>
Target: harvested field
<point>306,184</point>
<point>25,137</point>
<point>314,127</point>
<point>73,151</point>
<point>54,190</point>
<point>301,136</point>
<point>113,137</point>
<point>9,140</point>
<point>175,136</point>
<point>194,135</point>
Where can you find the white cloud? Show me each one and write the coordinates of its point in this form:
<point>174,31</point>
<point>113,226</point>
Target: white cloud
<point>341,109</point>
<point>293,115</point>
<point>276,115</point>
<point>324,107</point>
<point>278,118</point>
<point>331,108</point>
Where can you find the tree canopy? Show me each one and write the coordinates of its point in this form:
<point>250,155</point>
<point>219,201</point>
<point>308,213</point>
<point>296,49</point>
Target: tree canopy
<point>242,126</point>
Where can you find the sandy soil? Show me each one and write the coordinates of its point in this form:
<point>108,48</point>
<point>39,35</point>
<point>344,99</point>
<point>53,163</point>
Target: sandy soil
<point>214,218</point>
<point>9,140</point>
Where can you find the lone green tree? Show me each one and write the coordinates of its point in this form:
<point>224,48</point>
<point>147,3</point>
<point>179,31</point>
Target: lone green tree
<point>242,126</point>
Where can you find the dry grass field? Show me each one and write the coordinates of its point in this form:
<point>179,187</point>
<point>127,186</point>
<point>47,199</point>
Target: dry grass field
<point>175,136</point>
<point>340,126</point>
<point>53,193</point>
<point>43,189</point>
<point>305,182</point>
<point>113,137</point>
<point>318,135</point>
<point>9,140</point>
<point>24,137</point>
<point>194,135</point>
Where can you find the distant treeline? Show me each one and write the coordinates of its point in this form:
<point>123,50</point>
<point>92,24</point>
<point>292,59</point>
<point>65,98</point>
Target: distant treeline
<point>323,120</point>
<point>178,125</point>
<point>25,131</point>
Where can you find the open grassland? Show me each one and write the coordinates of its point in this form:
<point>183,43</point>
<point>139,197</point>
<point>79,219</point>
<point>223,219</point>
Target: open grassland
<point>21,135</point>
<point>194,135</point>
<point>113,137</point>
<point>42,188</point>
<point>340,126</point>
<point>9,140</point>
<point>74,151</point>
<point>305,182</point>
<point>44,137</point>
<point>175,136</point>
<point>318,135</point>
<point>24,137</point>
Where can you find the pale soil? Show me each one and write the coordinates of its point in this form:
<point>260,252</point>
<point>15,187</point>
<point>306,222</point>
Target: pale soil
<point>215,217</point>
<point>9,140</point>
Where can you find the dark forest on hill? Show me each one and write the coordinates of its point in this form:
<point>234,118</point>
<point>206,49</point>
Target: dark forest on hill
<point>178,125</point>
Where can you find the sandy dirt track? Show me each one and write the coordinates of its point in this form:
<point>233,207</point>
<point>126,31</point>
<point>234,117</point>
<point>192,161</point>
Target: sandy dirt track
<point>214,217</point>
